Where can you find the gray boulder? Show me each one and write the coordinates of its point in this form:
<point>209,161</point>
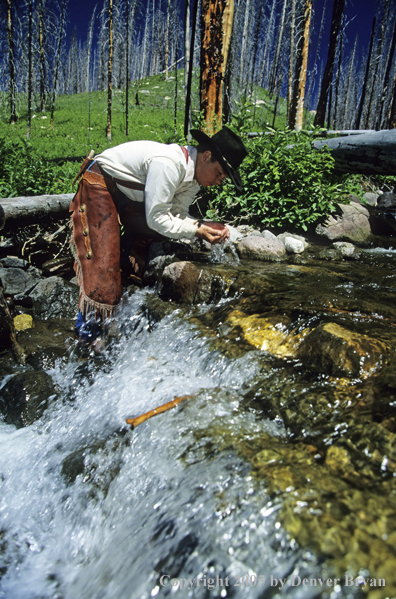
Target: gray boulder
<point>16,281</point>
<point>352,226</point>
<point>55,298</point>
<point>260,248</point>
<point>184,283</point>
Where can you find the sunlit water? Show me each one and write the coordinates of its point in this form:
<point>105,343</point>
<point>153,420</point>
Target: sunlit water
<point>166,504</point>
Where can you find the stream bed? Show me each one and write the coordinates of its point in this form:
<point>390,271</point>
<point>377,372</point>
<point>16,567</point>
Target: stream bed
<point>276,478</point>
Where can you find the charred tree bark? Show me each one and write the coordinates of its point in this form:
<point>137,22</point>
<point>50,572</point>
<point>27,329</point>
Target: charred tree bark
<point>58,60</point>
<point>127,71</point>
<point>11,62</point>
<point>338,11</point>
<point>30,61</point>
<point>369,153</point>
<point>109,71</point>
<point>366,77</point>
<point>291,62</point>
<point>167,39</point>
<point>264,70</point>
<point>217,17</point>
<point>297,108</point>
<point>41,56</point>
<point>308,96</point>
<point>386,81</point>
<point>274,75</point>
<point>187,113</point>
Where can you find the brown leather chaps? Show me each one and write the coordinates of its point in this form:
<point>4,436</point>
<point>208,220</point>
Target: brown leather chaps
<point>96,240</point>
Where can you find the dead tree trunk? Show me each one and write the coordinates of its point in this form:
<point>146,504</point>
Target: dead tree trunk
<point>338,11</point>
<point>386,79</point>
<point>369,153</point>
<point>41,56</point>
<point>297,108</point>
<point>15,212</point>
<point>291,61</point>
<point>11,62</point>
<point>187,113</point>
<point>363,96</point>
<point>274,75</point>
<point>57,60</point>
<point>109,71</point>
<point>30,61</point>
<point>217,17</point>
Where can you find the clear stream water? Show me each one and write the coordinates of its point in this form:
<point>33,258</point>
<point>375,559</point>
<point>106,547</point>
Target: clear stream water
<point>170,502</point>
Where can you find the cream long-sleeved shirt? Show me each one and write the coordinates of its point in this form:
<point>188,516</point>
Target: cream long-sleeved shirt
<point>168,178</point>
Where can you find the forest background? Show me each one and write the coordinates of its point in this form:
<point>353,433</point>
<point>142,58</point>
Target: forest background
<point>75,77</point>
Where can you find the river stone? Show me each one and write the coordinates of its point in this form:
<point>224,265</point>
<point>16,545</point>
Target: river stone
<point>14,262</point>
<point>260,248</point>
<point>268,235</point>
<point>353,226</point>
<point>294,246</point>
<point>332,349</point>
<point>25,396</point>
<point>371,198</point>
<point>54,298</point>
<point>184,283</point>
<point>16,280</point>
<point>284,236</point>
<point>155,267</point>
<point>347,250</point>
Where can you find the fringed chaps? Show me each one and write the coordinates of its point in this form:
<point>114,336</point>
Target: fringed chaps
<point>96,245</point>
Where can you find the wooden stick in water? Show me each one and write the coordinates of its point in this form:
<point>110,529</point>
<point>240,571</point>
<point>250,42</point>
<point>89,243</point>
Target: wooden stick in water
<point>134,422</point>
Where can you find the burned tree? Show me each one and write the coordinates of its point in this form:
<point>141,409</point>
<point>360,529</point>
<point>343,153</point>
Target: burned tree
<point>338,11</point>
<point>217,18</point>
<point>297,106</point>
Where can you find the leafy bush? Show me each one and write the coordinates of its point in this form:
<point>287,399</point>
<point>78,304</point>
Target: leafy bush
<point>286,183</point>
<point>24,173</point>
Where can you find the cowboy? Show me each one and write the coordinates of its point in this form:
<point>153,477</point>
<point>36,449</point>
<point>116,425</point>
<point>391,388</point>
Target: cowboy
<point>148,188</point>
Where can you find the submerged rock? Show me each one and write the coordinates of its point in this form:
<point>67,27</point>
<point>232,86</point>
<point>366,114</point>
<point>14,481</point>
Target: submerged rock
<point>261,248</point>
<point>332,349</point>
<point>25,396</point>
<point>184,283</point>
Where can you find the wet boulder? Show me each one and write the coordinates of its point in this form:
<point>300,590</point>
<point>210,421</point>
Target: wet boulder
<point>17,280</point>
<point>54,298</point>
<point>25,396</point>
<point>353,225</point>
<point>185,283</point>
<point>334,350</point>
<point>294,244</point>
<point>153,273</point>
<point>261,248</point>
<point>347,250</point>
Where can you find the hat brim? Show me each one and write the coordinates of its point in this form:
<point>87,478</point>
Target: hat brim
<point>202,138</point>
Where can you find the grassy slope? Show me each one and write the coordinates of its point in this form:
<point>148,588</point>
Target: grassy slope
<point>153,119</point>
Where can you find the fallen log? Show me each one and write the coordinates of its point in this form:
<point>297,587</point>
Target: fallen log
<point>20,211</point>
<point>367,154</point>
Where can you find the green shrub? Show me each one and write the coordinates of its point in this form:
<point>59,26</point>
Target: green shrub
<point>23,172</point>
<point>287,183</point>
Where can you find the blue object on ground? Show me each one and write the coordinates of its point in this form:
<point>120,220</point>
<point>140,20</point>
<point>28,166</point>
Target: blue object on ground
<point>88,329</point>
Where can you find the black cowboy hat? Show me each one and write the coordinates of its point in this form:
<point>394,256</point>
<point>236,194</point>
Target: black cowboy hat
<point>227,148</point>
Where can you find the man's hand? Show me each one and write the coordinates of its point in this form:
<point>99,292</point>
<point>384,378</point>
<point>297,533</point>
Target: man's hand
<point>213,232</point>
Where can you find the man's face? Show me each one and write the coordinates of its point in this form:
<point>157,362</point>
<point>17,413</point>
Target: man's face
<point>209,173</point>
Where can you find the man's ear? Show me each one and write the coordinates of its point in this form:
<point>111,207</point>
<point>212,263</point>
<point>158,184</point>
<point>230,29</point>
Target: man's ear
<point>207,156</point>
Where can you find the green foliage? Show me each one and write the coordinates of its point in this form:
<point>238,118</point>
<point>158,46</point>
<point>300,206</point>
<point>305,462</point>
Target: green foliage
<point>286,183</point>
<point>24,173</point>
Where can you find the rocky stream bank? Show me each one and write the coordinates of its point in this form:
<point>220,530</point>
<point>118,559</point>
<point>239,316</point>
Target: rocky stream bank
<point>319,317</point>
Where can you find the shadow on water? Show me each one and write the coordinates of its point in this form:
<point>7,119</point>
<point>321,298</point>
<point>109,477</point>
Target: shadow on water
<point>276,479</point>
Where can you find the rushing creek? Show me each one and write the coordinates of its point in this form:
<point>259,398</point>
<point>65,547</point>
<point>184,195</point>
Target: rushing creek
<point>276,478</point>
